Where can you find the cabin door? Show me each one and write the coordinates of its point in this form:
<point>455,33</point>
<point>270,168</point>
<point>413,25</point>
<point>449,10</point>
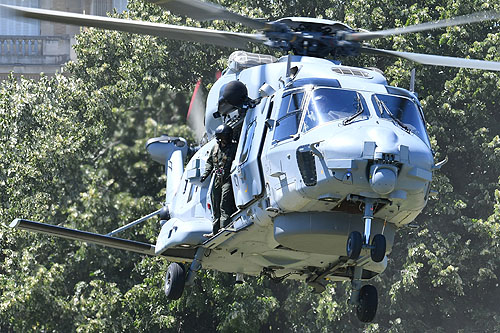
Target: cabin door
<point>246,173</point>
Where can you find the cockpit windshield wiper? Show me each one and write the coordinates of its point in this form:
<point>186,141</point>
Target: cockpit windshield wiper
<point>359,111</point>
<point>383,107</point>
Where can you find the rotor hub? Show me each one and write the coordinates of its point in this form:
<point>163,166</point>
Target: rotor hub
<point>312,37</point>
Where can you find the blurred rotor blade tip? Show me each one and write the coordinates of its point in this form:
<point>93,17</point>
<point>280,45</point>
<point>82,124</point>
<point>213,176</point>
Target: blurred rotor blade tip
<point>196,112</point>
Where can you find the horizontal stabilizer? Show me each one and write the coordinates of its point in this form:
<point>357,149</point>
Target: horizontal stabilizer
<point>89,237</point>
<point>162,148</point>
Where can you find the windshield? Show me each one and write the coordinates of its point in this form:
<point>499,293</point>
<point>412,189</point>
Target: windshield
<point>289,115</point>
<point>329,104</point>
<point>402,110</point>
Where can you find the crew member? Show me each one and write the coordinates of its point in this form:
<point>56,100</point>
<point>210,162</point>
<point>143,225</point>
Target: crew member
<point>219,163</point>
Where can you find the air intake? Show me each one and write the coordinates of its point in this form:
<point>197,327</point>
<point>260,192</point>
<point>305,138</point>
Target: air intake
<point>352,72</point>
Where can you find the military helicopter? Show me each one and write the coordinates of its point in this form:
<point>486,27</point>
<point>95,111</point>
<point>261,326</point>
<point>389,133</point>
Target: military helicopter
<point>331,160</point>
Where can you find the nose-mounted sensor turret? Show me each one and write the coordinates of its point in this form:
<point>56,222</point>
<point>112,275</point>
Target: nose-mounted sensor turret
<point>383,178</point>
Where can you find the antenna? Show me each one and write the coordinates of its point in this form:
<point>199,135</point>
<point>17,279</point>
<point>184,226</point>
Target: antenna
<point>412,80</point>
<point>288,65</point>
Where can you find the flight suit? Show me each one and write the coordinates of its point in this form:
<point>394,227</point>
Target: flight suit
<point>219,163</point>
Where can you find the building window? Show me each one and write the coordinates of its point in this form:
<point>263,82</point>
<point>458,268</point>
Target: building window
<point>101,7</point>
<point>18,26</point>
<point>120,5</point>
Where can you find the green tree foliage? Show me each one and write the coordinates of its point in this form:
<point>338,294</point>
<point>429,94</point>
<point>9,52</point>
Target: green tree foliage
<point>72,153</point>
<point>445,275</point>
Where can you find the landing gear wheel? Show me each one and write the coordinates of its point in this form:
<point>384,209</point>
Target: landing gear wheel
<point>378,248</point>
<point>174,281</point>
<point>354,245</point>
<point>368,301</point>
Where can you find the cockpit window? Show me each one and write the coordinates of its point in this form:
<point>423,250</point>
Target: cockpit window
<point>291,102</point>
<point>289,116</point>
<point>329,104</point>
<point>403,111</point>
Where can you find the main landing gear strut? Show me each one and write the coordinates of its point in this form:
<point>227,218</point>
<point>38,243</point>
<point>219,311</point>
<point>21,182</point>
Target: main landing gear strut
<point>177,277</point>
<point>365,297</point>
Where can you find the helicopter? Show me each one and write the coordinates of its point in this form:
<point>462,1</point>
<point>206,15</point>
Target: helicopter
<point>331,161</point>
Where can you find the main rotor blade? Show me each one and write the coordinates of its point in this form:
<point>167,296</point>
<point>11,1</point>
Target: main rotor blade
<point>465,19</point>
<point>206,11</point>
<point>429,59</point>
<point>206,36</point>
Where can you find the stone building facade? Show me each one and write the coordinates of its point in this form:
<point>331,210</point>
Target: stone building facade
<point>30,47</point>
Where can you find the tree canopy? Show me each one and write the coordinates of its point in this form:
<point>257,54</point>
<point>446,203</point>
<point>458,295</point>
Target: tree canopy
<point>72,153</point>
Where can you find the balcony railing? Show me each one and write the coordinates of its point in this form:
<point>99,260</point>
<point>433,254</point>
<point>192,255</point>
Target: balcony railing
<point>34,50</point>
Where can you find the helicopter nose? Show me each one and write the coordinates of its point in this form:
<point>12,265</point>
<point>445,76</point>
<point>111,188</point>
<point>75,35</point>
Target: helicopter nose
<point>386,140</point>
<point>383,180</point>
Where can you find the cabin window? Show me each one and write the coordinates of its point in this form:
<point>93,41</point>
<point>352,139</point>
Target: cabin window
<point>327,104</point>
<point>403,111</point>
<point>192,189</point>
<point>247,141</point>
<point>289,116</point>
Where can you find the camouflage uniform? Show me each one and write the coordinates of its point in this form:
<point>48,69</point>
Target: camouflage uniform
<point>219,163</point>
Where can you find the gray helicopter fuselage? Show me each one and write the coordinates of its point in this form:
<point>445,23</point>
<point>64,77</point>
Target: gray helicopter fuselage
<point>331,161</point>
<point>300,172</point>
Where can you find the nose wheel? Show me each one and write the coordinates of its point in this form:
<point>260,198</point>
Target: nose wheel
<point>354,245</point>
<point>356,242</point>
<point>378,248</point>
<point>365,297</point>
